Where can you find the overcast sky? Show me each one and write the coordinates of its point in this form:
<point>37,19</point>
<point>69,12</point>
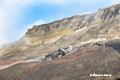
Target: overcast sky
<point>16,16</point>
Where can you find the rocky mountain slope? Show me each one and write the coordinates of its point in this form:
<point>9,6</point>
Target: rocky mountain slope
<point>95,41</point>
<point>77,66</point>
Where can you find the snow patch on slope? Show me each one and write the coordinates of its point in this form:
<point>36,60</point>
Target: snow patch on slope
<point>94,40</point>
<point>80,29</point>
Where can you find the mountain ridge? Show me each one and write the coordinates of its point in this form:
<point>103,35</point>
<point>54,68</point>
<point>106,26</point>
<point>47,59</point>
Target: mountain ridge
<point>92,26</point>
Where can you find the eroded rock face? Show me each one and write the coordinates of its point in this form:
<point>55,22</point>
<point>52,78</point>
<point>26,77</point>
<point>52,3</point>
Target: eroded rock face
<point>99,24</point>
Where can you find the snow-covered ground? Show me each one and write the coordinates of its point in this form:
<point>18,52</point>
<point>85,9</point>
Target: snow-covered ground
<point>94,40</point>
<point>34,60</point>
<point>80,29</point>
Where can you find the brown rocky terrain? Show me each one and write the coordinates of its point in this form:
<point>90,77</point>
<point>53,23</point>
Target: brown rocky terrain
<point>95,39</point>
<point>76,66</point>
